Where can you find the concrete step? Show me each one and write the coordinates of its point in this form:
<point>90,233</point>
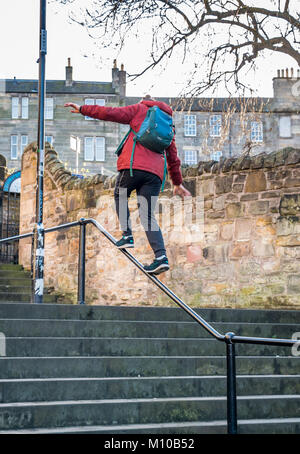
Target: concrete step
<point>15,282</point>
<point>39,390</point>
<point>147,366</point>
<point>10,267</point>
<point>143,313</point>
<point>137,329</point>
<point>142,411</point>
<point>245,426</point>
<point>109,346</point>
<point>25,298</point>
<point>23,289</point>
<point>14,273</point>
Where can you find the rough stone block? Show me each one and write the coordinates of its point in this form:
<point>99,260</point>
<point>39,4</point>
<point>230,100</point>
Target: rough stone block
<point>256,182</point>
<point>226,231</point>
<point>243,229</point>
<point>234,210</point>
<point>293,283</point>
<point>258,207</point>
<point>290,205</point>
<point>223,184</point>
<point>240,249</point>
<point>261,248</point>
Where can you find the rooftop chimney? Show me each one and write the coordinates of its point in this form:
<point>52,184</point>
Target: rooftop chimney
<point>69,74</point>
<point>119,79</point>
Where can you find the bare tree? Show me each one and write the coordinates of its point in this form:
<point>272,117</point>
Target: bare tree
<point>223,38</point>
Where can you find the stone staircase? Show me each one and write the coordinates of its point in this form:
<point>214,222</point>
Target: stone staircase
<point>116,370</point>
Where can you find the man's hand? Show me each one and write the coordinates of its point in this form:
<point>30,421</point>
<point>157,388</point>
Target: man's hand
<point>181,191</point>
<point>75,107</point>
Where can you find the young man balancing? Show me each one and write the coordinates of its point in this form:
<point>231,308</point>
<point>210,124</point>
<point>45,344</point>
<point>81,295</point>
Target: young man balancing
<point>142,171</point>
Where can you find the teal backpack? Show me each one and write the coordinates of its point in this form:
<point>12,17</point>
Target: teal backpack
<point>156,133</point>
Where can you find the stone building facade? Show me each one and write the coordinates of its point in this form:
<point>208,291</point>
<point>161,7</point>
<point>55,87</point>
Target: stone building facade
<point>19,113</point>
<point>206,128</point>
<point>236,243</point>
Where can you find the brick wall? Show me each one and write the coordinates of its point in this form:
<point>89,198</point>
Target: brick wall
<point>243,250</point>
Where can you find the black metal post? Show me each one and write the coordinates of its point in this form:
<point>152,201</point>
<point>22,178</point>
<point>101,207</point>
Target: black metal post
<point>231,385</point>
<point>81,263</point>
<point>40,235</point>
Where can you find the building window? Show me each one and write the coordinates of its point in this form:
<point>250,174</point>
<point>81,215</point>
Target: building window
<point>285,127</point>
<point>49,139</point>
<point>190,157</point>
<point>190,127</point>
<point>14,108</point>
<point>94,149</point>
<point>25,104</point>
<point>49,109</point>
<point>216,155</point>
<point>256,131</point>
<point>24,142</point>
<point>215,124</point>
<point>93,102</point>
<point>14,147</point>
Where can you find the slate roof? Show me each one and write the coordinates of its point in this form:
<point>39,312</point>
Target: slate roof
<point>58,87</point>
<point>212,104</point>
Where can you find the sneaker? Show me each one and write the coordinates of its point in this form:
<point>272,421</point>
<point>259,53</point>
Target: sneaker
<point>158,266</point>
<point>125,242</point>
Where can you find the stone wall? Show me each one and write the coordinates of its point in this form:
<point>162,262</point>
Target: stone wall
<point>246,253</point>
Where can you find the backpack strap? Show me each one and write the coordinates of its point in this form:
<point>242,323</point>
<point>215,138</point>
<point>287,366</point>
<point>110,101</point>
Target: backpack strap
<point>122,143</point>
<point>132,153</point>
<point>165,173</point>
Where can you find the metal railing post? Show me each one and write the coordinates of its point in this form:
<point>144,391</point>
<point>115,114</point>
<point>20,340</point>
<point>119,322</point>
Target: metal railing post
<point>231,385</point>
<point>81,263</point>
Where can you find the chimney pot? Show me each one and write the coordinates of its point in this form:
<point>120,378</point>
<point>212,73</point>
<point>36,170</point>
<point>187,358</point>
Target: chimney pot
<point>69,74</point>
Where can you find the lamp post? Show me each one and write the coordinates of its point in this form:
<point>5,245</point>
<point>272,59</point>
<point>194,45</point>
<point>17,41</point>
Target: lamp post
<point>39,229</point>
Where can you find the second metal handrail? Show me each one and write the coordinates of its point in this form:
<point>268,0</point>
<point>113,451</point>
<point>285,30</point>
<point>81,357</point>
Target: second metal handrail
<point>230,339</point>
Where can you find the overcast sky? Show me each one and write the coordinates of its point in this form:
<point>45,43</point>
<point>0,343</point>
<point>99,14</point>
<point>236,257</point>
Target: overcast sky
<point>19,51</point>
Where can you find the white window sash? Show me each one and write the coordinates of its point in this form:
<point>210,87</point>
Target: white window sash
<point>49,109</point>
<point>25,104</point>
<point>14,147</point>
<point>190,128</point>
<point>89,149</point>
<point>285,127</point>
<point>100,102</point>
<point>89,102</point>
<point>24,142</point>
<point>215,124</point>
<point>256,131</point>
<point>216,155</point>
<point>190,157</point>
<point>49,139</point>
<point>14,108</point>
<point>100,149</point>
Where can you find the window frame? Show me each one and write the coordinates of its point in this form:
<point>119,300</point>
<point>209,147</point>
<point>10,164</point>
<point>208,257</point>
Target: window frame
<point>93,150</point>
<point>49,108</point>
<point>215,125</point>
<point>15,108</point>
<point>14,145</point>
<point>190,125</point>
<point>193,159</point>
<point>93,102</point>
<point>25,108</point>
<point>281,118</point>
<point>257,134</point>
<point>23,145</point>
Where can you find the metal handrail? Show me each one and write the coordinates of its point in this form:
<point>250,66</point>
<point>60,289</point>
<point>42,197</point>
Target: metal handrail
<point>229,338</point>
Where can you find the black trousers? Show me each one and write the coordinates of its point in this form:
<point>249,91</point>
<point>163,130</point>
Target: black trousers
<point>147,186</point>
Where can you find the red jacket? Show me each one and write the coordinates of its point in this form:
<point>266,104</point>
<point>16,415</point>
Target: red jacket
<point>144,159</point>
